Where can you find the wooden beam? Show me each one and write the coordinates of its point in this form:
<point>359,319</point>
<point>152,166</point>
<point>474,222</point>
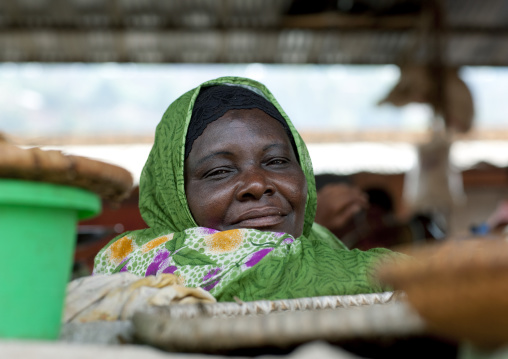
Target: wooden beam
<point>334,20</point>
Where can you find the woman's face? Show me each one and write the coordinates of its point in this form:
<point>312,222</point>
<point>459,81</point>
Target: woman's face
<point>242,173</point>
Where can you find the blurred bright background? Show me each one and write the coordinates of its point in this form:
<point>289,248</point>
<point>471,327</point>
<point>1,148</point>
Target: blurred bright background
<point>76,101</point>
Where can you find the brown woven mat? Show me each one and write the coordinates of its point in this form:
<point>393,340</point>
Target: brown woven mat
<point>109,181</point>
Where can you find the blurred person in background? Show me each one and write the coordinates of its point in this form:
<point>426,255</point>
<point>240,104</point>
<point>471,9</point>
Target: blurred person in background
<point>366,218</point>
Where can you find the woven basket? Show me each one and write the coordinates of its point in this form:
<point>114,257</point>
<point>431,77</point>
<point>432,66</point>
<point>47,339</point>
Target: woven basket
<point>263,307</point>
<point>108,181</point>
<point>460,288</point>
<point>223,327</point>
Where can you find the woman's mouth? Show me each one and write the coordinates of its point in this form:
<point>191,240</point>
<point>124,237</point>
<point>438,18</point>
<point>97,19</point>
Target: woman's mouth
<point>260,218</point>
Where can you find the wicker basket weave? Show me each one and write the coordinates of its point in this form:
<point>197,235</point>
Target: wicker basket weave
<point>459,287</point>
<point>223,327</point>
<point>34,164</point>
<point>262,307</point>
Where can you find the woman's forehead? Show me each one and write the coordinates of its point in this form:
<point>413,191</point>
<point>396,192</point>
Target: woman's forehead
<point>241,128</point>
<point>213,102</point>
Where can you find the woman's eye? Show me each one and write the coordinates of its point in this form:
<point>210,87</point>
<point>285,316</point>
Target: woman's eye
<point>217,173</point>
<point>278,161</point>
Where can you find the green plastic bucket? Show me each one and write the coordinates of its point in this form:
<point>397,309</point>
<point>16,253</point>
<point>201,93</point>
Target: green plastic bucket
<point>38,223</point>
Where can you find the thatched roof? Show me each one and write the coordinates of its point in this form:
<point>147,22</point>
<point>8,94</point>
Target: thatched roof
<point>471,32</point>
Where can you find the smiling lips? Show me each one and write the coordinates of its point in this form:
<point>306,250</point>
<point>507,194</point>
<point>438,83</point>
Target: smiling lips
<point>260,217</point>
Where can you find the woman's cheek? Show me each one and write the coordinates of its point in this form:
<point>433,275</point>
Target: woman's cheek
<point>213,209</point>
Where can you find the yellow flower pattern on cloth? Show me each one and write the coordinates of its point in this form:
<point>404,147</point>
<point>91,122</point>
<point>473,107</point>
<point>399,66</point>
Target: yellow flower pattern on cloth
<point>148,246</point>
<point>120,249</point>
<point>224,242</point>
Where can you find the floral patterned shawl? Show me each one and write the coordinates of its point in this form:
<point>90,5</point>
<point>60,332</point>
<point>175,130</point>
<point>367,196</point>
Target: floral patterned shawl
<point>243,263</point>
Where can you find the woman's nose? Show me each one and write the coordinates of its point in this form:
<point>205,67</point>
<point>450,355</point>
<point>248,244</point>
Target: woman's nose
<point>254,184</point>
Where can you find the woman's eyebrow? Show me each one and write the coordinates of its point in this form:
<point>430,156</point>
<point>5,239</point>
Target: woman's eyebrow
<point>218,153</point>
<point>277,144</point>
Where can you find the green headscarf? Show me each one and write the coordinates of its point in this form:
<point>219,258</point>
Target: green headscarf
<point>245,263</point>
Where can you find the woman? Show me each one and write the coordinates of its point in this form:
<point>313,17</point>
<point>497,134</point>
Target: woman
<point>228,193</point>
